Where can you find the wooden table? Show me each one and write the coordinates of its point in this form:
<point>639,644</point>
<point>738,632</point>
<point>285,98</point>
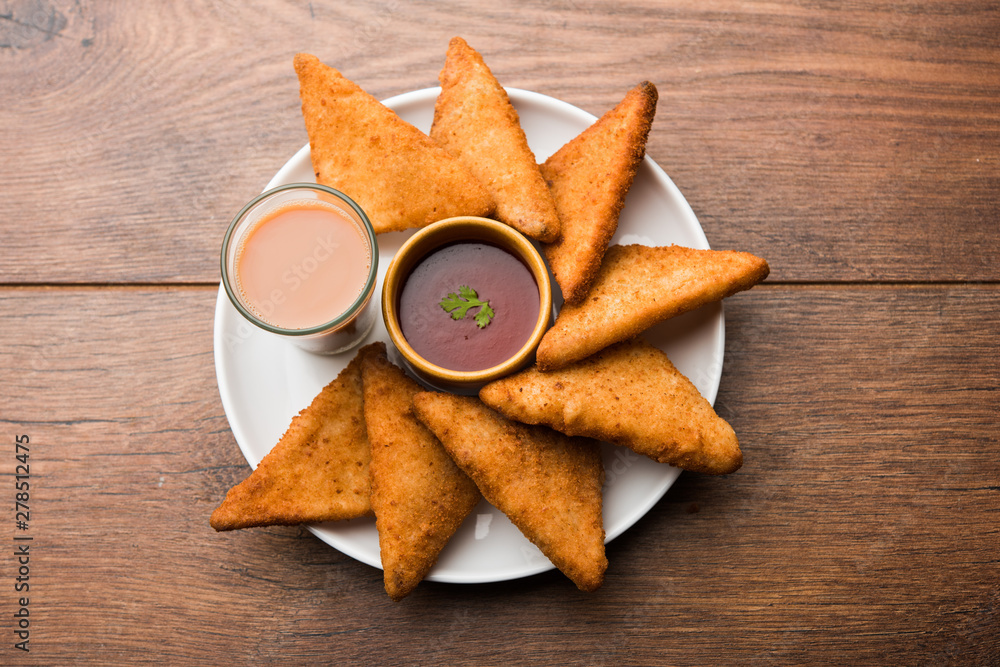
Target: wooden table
<point>854,145</point>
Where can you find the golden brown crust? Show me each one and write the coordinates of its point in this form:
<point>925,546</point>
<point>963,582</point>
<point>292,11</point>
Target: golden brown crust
<point>628,394</point>
<point>475,121</point>
<point>419,495</point>
<point>638,286</point>
<point>589,178</point>
<point>318,471</point>
<point>396,173</point>
<point>548,484</point>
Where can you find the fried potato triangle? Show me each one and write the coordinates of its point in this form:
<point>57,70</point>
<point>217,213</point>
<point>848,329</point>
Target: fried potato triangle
<point>420,497</point>
<point>397,174</point>
<point>548,484</point>
<point>318,471</point>
<point>628,394</point>
<point>589,178</point>
<point>475,121</point>
<point>638,286</point>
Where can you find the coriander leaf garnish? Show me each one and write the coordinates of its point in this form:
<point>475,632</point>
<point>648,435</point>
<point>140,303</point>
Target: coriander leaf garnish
<point>485,315</point>
<point>459,304</point>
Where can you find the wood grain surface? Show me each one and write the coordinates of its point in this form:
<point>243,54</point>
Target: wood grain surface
<point>854,145</point>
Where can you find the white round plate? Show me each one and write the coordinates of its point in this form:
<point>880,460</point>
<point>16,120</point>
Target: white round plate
<point>264,381</point>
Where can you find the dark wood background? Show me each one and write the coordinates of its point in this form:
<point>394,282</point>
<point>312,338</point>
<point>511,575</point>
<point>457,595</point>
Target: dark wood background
<point>855,145</point>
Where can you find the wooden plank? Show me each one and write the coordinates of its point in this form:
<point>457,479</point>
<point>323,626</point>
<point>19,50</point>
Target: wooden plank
<point>843,142</point>
<point>862,526</point>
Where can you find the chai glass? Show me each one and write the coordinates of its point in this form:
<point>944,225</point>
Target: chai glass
<point>300,261</point>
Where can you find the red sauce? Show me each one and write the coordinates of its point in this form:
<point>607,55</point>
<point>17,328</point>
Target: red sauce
<point>498,277</point>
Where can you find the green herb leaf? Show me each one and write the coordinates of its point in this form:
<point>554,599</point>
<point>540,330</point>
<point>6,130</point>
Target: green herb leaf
<point>485,315</point>
<point>459,304</point>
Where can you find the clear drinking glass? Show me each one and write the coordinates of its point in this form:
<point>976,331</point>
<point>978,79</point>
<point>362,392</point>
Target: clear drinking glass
<point>330,336</point>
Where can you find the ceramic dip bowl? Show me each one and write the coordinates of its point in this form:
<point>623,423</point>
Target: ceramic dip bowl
<point>466,301</point>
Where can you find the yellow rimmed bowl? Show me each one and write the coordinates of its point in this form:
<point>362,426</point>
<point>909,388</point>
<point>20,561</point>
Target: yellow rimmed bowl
<point>434,237</point>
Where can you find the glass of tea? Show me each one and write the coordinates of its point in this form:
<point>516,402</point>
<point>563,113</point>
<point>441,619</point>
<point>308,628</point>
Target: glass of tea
<point>300,261</point>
